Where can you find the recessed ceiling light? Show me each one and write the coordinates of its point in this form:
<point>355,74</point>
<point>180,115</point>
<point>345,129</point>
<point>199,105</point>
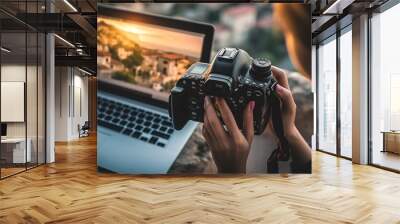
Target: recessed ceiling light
<point>5,50</point>
<point>337,7</point>
<point>70,5</point>
<point>64,40</point>
<point>84,71</point>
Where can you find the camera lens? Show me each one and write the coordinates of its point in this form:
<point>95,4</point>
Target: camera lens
<point>260,68</point>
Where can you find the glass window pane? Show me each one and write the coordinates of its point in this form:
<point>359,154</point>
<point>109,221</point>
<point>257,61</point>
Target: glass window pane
<point>385,84</point>
<point>327,97</point>
<point>346,94</point>
<point>13,87</point>
<point>23,81</point>
<point>31,97</point>
<point>41,98</point>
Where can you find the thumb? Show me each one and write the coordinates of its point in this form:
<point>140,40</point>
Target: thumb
<point>248,125</point>
<point>286,97</point>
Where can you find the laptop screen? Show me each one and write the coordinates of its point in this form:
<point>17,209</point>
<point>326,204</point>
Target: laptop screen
<point>144,57</point>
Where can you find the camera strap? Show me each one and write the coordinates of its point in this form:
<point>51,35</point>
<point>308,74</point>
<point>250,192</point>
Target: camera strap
<point>282,153</point>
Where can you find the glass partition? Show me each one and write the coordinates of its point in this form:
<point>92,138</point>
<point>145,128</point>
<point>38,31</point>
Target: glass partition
<point>41,97</point>
<point>385,89</point>
<point>22,77</point>
<point>327,96</point>
<point>31,98</point>
<point>14,153</point>
<point>346,94</point>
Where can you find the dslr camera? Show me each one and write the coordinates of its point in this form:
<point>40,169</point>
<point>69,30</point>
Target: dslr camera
<point>234,76</point>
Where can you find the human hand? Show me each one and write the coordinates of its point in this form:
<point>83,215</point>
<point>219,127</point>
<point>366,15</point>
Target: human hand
<point>301,151</point>
<point>288,106</point>
<point>230,148</point>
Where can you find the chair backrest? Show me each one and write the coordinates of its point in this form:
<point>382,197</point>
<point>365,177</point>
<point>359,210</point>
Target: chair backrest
<point>86,125</point>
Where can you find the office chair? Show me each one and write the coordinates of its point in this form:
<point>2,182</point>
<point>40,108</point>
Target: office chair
<point>84,130</point>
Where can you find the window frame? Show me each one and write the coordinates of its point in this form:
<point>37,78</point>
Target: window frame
<point>378,10</point>
<point>31,30</point>
<point>347,27</point>
<point>343,31</point>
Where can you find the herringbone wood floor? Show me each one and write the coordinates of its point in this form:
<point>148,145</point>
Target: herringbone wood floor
<point>71,191</point>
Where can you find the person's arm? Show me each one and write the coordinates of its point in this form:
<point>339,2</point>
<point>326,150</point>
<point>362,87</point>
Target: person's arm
<point>230,147</point>
<point>301,152</point>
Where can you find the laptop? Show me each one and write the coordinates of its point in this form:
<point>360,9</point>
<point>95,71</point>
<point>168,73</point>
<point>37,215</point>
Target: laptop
<point>140,57</point>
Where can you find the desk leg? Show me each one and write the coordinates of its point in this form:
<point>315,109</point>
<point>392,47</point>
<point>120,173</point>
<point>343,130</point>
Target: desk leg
<point>384,142</point>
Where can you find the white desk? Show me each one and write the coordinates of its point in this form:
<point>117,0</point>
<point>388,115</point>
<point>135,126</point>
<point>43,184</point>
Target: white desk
<point>18,151</point>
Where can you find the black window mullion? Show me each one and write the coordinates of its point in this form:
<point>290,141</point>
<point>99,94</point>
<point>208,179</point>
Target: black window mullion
<point>44,71</point>
<point>0,94</point>
<point>73,92</point>
<point>37,90</point>
<point>369,100</point>
<point>45,94</point>
<point>317,97</point>
<point>26,87</point>
<point>338,76</point>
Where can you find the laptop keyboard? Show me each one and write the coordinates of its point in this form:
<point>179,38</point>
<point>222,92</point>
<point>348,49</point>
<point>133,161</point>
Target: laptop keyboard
<point>137,123</point>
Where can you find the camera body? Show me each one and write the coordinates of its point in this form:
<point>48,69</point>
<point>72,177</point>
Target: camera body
<point>232,75</point>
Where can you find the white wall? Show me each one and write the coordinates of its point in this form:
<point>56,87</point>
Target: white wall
<point>13,73</point>
<point>62,81</point>
<point>71,87</point>
<point>79,112</point>
<point>13,100</point>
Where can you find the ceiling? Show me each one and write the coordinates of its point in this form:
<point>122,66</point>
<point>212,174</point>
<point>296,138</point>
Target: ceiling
<point>328,16</point>
<point>74,22</point>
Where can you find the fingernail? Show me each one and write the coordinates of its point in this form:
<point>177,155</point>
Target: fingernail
<point>278,88</point>
<point>252,104</point>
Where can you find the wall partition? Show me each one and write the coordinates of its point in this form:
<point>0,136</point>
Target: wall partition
<point>373,88</point>
<point>326,110</point>
<point>334,93</point>
<point>345,93</point>
<point>14,145</point>
<point>385,88</point>
<point>22,77</point>
<point>71,102</point>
